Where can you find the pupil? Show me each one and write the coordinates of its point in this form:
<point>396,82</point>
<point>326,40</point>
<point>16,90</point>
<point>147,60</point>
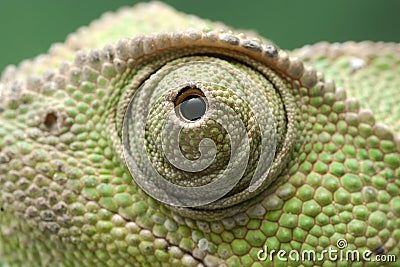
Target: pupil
<point>193,107</point>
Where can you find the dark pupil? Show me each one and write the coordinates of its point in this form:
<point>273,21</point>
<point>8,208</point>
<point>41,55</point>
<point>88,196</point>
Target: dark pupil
<point>193,107</point>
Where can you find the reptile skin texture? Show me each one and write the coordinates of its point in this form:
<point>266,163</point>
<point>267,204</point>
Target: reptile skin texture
<point>178,141</point>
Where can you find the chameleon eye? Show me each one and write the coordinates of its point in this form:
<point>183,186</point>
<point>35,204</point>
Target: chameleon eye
<point>207,130</point>
<point>190,104</point>
<point>201,140</point>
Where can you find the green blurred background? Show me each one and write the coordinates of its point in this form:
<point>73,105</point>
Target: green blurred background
<point>29,27</point>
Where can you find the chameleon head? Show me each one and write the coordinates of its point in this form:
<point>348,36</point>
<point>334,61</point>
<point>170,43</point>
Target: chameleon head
<point>248,148</point>
<point>202,132</point>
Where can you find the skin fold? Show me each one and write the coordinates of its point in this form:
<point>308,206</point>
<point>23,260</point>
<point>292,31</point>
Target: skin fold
<point>82,141</point>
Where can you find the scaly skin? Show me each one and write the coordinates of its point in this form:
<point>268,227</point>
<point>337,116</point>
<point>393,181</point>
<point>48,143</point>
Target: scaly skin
<point>69,194</point>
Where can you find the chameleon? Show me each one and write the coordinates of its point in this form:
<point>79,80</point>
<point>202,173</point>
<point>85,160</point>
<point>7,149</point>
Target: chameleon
<point>157,138</point>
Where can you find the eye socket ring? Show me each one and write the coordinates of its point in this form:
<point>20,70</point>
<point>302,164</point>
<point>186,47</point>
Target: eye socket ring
<point>158,100</point>
<point>190,104</point>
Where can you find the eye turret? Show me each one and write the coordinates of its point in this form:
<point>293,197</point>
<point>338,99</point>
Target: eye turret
<point>203,133</point>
